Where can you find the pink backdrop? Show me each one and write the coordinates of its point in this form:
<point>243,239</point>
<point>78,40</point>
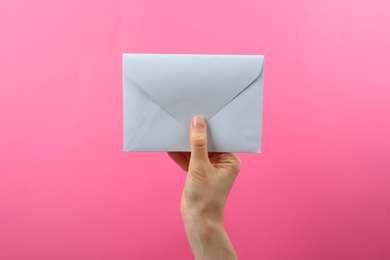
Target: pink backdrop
<point>320,189</point>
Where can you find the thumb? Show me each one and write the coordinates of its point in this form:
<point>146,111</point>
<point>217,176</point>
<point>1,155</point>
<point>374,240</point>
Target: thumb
<point>198,140</point>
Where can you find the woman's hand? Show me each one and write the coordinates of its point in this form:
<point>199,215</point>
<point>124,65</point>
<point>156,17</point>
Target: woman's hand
<point>210,177</point>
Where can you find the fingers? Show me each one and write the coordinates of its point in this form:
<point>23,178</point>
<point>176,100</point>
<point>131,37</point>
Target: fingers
<point>198,140</point>
<point>199,156</point>
<point>230,160</point>
<point>181,159</point>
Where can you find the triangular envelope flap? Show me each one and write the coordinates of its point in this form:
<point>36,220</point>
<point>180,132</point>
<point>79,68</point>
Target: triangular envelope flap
<point>189,85</point>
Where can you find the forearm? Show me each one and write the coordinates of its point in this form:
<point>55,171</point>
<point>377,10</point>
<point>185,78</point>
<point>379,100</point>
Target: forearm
<point>208,239</point>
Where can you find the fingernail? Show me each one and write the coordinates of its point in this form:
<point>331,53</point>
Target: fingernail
<point>198,123</point>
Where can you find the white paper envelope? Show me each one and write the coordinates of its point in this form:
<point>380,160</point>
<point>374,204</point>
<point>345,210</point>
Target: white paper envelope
<point>163,92</point>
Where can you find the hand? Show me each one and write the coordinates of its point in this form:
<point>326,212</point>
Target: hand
<point>209,180</point>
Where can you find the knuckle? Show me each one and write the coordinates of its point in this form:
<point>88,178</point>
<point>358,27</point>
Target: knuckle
<point>199,142</point>
<point>236,165</point>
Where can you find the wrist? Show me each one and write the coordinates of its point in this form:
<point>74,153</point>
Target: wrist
<point>202,225</point>
<point>208,238</point>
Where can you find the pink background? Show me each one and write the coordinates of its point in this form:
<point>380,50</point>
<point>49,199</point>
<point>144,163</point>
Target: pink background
<point>320,189</point>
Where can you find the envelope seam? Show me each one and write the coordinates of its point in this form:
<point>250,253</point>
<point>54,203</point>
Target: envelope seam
<point>139,85</point>
<point>138,123</point>
<point>250,84</point>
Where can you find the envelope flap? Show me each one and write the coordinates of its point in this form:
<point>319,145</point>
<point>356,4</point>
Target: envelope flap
<point>187,85</point>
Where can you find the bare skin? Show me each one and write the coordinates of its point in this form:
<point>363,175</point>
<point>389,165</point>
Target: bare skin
<point>210,177</point>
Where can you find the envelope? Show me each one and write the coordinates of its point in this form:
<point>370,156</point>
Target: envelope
<point>163,92</point>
